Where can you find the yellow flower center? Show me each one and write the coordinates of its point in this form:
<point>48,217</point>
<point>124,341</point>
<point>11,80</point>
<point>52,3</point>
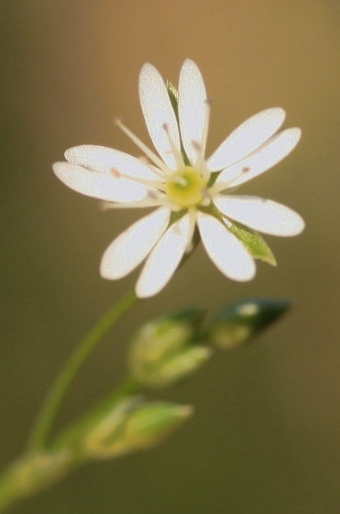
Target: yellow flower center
<point>185,187</point>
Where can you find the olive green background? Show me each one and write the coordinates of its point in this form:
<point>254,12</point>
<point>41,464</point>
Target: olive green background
<point>265,436</point>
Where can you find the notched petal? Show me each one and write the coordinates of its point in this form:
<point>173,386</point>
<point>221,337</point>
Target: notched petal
<point>192,109</point>
<point>248,137</point>
<point>131,247</point>
<point>158,112</point>
<point>266,216</point>
<point>99,185</point>
<point>269,154</point>
<point>164,259</point>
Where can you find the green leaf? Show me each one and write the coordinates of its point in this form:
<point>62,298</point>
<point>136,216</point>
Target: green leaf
<point>254,243</point>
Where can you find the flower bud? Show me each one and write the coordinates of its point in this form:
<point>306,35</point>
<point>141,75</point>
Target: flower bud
<point>134,425</point>
<point>163,350</point>
<point>237,324</point>
<point>32,473</point>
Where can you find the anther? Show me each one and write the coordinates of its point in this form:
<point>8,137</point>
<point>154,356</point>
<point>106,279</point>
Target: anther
<point>173,148</point>
<point>245,169</point>
<point>149,153</point>
<point>116,173</point>
<point>152,195</point>
<point>206,201</point>
<point>105,206</point>
<point>196,146</point>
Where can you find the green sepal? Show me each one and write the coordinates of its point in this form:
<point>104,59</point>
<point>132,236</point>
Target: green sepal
<point>252,240</point>
<point>173,94</point>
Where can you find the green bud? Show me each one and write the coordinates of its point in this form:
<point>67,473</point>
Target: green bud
<point>134,425</point>
<point>153,422</point>
<point>236,325</point>
<point>33,473</point>
<point>162,351</point>
<point>180,366</point>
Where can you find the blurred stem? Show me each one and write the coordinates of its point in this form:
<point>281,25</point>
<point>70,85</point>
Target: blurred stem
<point>129,387</point>
<point>53,401</point>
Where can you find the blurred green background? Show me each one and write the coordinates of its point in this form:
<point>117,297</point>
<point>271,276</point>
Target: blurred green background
<point>265,436</point>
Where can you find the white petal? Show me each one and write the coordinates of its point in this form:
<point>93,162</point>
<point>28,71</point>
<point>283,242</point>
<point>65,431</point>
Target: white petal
<point>192,108</point>
<point>157,110</point>
<point>259,214</point>
<point>246,138</point>
<point>277,148</point>
<point>104,159</point>
<point>225,249</point>
<point>99,185</point>
<point>131,247</point>
<point>164,259</point>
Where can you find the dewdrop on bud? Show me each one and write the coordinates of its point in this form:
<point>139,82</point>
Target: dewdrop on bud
<point>236,325</point>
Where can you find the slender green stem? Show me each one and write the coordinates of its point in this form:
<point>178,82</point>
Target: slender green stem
<point>129,387</point>
<point>60,387</point>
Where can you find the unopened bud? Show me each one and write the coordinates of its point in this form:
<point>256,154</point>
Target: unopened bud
<point>33,473</point>
<point>236,325</point>
<point>132,426</point>
<point>163,350</point>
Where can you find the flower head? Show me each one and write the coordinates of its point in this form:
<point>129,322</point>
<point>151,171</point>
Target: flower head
<point>187,189</point>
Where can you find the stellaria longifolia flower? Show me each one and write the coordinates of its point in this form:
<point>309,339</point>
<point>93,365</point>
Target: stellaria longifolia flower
<point>186,188</point>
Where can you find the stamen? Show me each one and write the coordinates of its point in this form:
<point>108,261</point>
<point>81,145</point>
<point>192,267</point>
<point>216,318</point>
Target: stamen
<point>153,157</point>
<point>206,200</point>
<point>148,202</point>
<point>139,180</point>
<point>170,205</point>
<point>201,146</point>
<point>200,161</point>
<point>143,159</point>
<point>175,151</point>
<point>116,173</point>
<point>196,146</point>
<point>218,187</point>
<point>207,105</point>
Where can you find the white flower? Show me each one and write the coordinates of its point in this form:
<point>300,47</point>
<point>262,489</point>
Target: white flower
<point>186,188</point>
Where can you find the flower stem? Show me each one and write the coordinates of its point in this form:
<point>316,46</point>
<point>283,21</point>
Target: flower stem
<point>46,417</point>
